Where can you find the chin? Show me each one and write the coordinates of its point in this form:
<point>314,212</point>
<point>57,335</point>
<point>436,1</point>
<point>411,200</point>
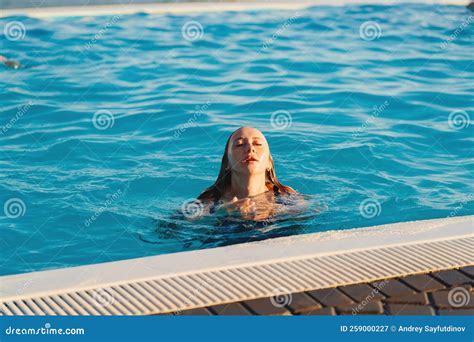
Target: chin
<point>253,169</point>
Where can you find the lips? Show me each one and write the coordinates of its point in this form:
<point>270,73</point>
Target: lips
<point>249,159</point>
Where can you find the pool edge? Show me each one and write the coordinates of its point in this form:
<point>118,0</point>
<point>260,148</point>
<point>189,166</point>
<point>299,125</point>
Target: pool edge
<point>433,245</point>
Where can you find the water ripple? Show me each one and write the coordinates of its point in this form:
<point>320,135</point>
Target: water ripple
<point>383,117</point>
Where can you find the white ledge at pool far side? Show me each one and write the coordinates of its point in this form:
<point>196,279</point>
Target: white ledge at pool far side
<point>197,7</point>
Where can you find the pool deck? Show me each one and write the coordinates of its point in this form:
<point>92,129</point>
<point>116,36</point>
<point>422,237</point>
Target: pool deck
<point>195,7</point>
<point>420,294</point>
<point>244,272</point>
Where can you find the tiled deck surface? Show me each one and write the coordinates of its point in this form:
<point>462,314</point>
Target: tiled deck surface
<point>438,293</point>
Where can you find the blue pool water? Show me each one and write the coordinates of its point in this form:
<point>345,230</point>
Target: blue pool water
<point>113,122</point>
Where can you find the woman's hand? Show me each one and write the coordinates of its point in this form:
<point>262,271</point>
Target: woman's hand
<point>244,206</point>
<point>248,209</point>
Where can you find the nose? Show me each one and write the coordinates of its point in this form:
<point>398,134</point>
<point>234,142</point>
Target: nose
<point>251,148</point>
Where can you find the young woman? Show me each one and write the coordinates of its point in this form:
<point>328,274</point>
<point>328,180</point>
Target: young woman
<point>247,184</point>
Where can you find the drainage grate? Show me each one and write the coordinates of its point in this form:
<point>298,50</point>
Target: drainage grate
<point>231,284</point>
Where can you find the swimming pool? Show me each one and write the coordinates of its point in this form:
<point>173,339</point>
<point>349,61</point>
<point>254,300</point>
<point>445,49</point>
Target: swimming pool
<point>114,122</point>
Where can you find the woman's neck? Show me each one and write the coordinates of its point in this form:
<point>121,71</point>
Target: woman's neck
<point>243,186</point>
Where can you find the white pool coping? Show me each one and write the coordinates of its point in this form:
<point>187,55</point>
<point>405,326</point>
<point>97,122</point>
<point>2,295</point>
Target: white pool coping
<point>197,7</point>
<point>253,270</point>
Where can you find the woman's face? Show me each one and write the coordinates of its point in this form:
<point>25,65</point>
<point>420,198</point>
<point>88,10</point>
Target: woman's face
<point>248,151</point>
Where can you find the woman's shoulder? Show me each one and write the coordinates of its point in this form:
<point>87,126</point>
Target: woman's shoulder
<point>209,195</point>
<point>284,190</point>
